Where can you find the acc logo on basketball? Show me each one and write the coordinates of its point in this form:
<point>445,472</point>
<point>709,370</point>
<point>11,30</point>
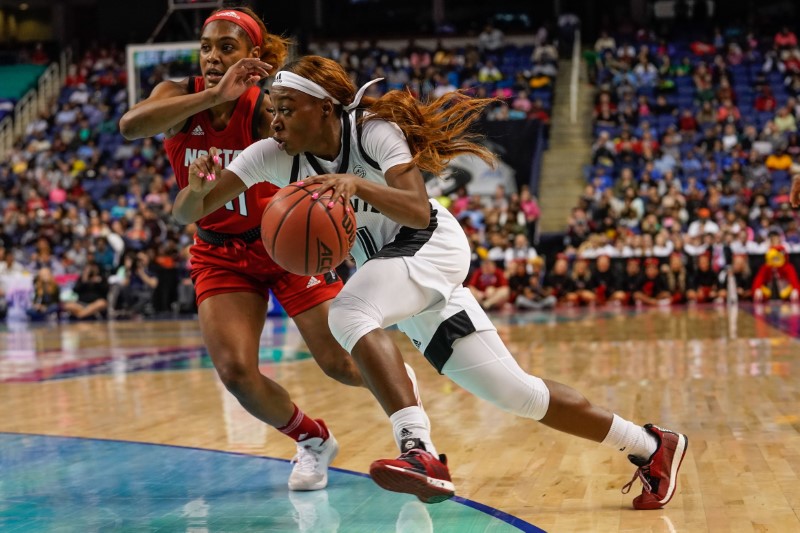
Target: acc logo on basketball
<point>324,257</point>
<point>359,171</point>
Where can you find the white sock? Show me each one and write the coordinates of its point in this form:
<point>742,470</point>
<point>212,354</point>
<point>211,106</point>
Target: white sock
<point>411,423</point>
<point>627,437</point>
<point>413,377</point>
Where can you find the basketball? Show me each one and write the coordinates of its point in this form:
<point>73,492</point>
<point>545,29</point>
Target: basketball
<point>303,235</point>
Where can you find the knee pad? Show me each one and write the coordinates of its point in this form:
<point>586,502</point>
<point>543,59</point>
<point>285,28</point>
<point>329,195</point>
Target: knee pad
<point>505,386</point>
<point>482,364</point>
<point>538,400</point>
<point>526,396</point>
<point>350,318</point>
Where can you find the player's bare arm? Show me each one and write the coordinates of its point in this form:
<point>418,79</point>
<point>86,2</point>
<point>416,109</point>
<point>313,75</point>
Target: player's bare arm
<point>170,105</point>
<point>794,195</point>
<point>404,199</point>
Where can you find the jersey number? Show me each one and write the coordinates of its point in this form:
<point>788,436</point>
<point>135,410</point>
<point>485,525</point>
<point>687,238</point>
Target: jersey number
<point>242,205</point>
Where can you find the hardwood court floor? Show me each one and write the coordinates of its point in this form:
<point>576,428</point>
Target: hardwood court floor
<point>725,377</point>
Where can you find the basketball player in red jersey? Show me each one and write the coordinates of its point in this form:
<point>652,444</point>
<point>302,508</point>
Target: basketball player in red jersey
<point>230,267</point>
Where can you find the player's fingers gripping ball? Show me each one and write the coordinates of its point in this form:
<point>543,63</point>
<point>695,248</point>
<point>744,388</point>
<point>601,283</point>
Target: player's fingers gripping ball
<point>302,234</point>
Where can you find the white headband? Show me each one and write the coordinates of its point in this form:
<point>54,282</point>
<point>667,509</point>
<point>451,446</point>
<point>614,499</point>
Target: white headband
<point>291,80</point>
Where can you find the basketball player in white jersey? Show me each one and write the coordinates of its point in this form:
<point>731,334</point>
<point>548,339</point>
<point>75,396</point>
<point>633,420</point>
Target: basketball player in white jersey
<point>412,258</point>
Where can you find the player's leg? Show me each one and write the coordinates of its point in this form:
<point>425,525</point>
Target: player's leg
<point>366,305</point>
<point>481,364</point>
<point>307,300</point>
<point>329,355</point>
<point>231,324</point>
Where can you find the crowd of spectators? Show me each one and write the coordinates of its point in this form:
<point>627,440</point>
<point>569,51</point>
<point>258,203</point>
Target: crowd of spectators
<point>521,77</point>
<point>86,228</point>
<point>695,146</point>
<point>86,215</point>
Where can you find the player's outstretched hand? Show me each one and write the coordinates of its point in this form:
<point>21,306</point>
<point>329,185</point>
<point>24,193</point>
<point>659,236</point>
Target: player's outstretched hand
<point>794,195</point>
<point>204,171</point>
<point>242,75</point>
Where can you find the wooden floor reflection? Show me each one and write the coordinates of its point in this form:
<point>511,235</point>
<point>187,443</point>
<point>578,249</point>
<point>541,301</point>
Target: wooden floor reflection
<point>728,379</point>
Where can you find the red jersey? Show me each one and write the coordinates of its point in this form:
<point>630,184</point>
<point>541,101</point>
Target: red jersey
<point>194,140</point>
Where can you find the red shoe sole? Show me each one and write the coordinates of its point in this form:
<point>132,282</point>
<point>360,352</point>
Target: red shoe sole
<point>399,480</point>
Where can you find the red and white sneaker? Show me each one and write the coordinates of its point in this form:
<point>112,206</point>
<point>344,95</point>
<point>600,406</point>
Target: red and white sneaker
<point>415,472</point>
<point>659,474</point>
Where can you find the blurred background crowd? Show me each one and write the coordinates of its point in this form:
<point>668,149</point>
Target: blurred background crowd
<point>86,214</point>
<point>694,145</point>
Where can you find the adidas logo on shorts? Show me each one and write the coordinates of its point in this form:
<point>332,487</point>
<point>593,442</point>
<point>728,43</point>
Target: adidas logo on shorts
<point>198,130</point>
<point>312,281</point>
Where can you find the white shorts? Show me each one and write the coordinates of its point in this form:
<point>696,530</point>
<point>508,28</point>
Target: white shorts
<point>442,264</point>
<point>422,293</point>
<point>434,331</point>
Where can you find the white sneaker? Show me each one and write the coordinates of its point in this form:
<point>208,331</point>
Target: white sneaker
<point>413,377</point>
<point>312,512</point>
<point>311,463</point>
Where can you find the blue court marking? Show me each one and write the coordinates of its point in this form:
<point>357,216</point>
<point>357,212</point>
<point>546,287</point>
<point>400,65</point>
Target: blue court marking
<point>53,483</point>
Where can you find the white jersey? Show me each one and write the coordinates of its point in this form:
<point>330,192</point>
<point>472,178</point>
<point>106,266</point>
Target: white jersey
<point>435,258</point>
<point>383,145</point>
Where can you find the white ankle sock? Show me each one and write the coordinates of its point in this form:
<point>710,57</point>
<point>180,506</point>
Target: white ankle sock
<point>627,437</point>
<point>415,423</point>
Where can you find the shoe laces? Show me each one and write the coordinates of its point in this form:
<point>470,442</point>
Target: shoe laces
<point>306,460</point>
<point>643,473</point>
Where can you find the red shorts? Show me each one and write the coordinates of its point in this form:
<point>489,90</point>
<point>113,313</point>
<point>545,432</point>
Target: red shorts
<point>226,269</point>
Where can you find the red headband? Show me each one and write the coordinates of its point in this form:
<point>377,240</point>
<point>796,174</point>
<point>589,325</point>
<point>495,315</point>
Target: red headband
<point>241,19</point>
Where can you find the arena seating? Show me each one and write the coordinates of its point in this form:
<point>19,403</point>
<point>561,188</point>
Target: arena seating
<point>77,193</point>
<point>690,126</point>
